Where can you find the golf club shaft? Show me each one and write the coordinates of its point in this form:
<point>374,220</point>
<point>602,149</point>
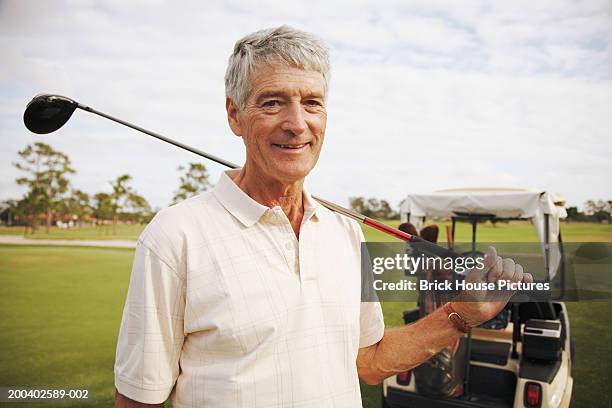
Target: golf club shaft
<point>161,137</point>
<point>370,222</point>
<point>433,248</point>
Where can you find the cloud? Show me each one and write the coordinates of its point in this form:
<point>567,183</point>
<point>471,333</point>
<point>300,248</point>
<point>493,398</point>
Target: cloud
<point>424,95</point>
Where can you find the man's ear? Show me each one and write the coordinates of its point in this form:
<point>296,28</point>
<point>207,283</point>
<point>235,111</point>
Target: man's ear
<point>232,116</point>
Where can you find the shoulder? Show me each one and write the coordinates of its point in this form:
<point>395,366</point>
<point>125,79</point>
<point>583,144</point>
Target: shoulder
<point>169,231</point>
<point>348,226</point>
<point>177,219</point>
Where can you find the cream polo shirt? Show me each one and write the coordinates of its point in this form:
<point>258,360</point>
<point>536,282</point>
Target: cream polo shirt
<point>226,308</point>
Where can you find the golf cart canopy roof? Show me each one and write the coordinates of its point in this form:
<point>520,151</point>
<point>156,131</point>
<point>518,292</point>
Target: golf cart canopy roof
<point>542,208</point>
<point>498,202</point>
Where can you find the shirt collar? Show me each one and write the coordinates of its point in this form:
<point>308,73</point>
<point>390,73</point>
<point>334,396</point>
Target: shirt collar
<point>247,210</point>
<point>311,206</point>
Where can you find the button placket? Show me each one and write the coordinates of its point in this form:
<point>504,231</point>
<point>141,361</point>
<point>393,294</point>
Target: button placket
<point>286,238</point>
<point>306,248</point>
<point>290,246</point>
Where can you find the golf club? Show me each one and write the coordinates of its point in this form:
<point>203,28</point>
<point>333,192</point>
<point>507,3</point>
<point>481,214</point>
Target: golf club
<point>47,113</point>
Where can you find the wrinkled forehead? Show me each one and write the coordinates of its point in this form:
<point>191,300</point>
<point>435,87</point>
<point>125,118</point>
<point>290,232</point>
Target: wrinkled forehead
<point>277,75</point>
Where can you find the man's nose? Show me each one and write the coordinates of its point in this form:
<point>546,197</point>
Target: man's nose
<point>294,119</point>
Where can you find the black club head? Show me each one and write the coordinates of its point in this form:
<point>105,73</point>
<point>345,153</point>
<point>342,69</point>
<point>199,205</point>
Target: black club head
<point>47,113</point>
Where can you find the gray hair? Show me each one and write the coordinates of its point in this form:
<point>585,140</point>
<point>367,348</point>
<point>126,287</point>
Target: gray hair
<point>297,48</point>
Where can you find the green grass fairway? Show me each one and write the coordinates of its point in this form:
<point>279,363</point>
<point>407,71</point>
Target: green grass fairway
<point>590,326</point>
<point>124,232</point>
<point>60,309</point>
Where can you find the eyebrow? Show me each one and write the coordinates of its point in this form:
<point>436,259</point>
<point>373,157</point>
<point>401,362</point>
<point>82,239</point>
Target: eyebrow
<point>281,94</point>
<point>271,94</point>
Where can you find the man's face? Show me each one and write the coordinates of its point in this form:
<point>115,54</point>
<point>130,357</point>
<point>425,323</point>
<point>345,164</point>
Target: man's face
<point>283,122</point>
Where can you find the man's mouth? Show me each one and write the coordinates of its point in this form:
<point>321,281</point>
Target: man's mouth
<point>291,146</point>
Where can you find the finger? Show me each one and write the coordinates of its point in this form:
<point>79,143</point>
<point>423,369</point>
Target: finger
<point>527,277</point>
<point>508,269</point>
<point>489,258</point>
<point>496,271</point>
<point>479,274</point>
<point>518,273</point>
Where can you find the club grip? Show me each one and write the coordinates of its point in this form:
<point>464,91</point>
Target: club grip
<point>433,249</point>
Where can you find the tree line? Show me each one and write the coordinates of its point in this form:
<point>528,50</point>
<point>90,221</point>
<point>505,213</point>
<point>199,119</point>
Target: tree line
<point>50,197</point>
<point>373,208</point>
<point>595,211</point>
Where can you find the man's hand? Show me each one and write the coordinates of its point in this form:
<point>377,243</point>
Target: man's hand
<point>478,306</point>
<point>404,348</point>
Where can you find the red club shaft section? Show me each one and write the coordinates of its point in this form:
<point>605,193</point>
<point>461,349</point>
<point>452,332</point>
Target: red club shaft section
<point>426,246</point>
<point>387,229</point>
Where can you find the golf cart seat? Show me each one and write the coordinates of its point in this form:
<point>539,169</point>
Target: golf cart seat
<point>492,352</point>
<point>537,310</point>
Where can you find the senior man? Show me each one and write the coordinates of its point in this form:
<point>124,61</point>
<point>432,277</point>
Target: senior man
<point>249,295</point>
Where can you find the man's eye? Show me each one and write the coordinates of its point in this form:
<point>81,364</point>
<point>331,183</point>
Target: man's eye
<point>313,102</point>
<point>273,103</point>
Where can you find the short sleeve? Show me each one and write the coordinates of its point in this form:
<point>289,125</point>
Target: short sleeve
<point>372,324</point>
<point>151,333</point>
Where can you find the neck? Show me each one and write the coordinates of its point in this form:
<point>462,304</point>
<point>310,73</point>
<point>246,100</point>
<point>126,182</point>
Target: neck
<point>272,192</point>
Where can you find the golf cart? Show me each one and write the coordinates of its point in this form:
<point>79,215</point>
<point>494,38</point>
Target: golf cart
<point>522,357</point>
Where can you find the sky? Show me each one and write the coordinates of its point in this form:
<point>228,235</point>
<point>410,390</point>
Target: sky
<point>424,95</point>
